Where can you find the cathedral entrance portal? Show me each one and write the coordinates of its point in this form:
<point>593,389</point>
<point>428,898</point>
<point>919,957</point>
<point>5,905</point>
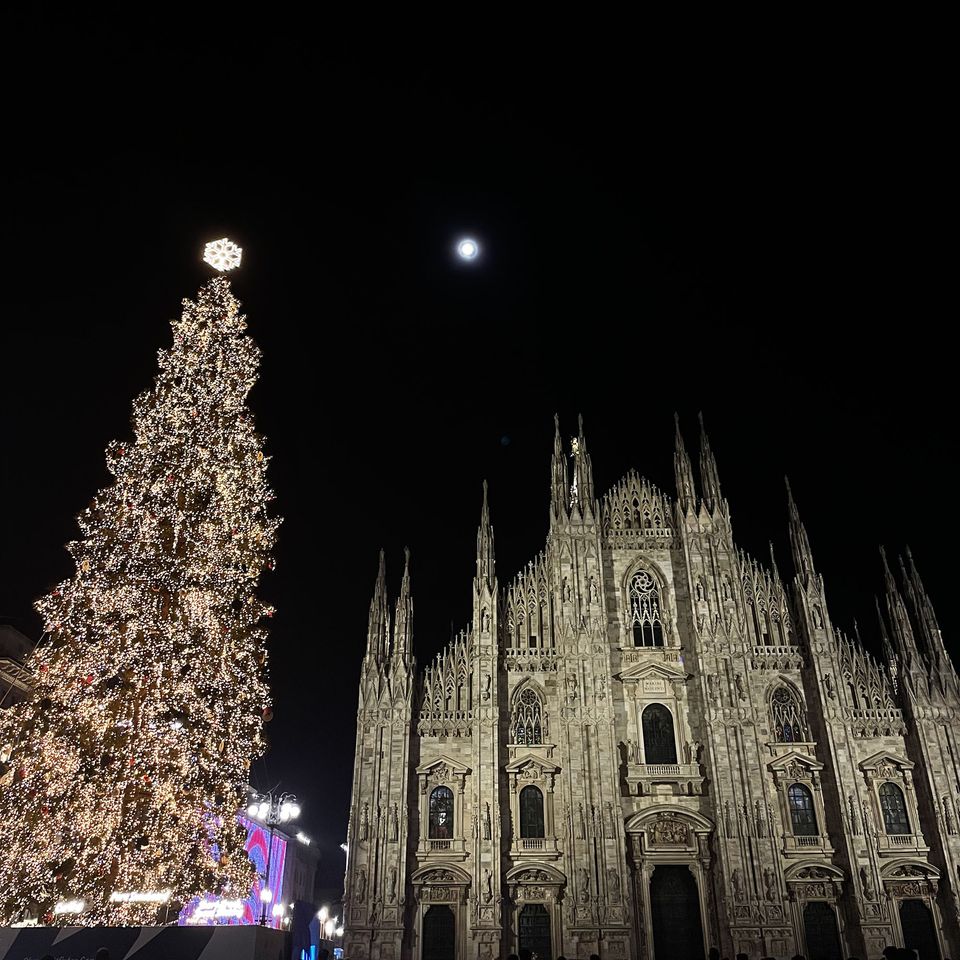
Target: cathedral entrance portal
<point>439,934</point>
<point>675,912</point>
<point>820,930</point>
<point>918,931</point>
<point>535,931</point>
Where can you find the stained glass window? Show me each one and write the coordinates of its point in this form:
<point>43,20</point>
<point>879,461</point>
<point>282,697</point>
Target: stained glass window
<point>645,612</point>
<point>789,725</point>
<point>528,726</point>
<point>441,814</point>
<point>802,815</point>
<point>894,807</point>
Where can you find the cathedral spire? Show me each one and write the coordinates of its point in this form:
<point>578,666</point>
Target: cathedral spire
<point>773,564</point>
<point>709,476</point>
<point>377,630</point>
<point>889,654</point>
<point>899,619</point>
<point>581,490</point>
<point>927,620</point>
<point>403,624</point>
<point>683,471</point>
<point>558,477</point>
<point>486,563</point>
<point>799,541</point>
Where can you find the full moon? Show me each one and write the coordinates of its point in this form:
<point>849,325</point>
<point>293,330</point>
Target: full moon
<point>468,249</point>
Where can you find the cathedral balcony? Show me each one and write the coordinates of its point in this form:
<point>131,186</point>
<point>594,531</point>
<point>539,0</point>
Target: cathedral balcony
<point>441,849</point>
<point>794,846</point>
<point>901,844</point>
<point>543,848</point>
<point>780,658</point>
<point>676,779</point>
<point>876,723</point>
<point>531,659</point>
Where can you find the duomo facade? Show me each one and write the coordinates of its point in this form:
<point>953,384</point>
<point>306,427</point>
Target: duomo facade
<point>648,743</point>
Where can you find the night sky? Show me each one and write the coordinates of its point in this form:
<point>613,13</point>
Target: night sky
<point>770,243</point>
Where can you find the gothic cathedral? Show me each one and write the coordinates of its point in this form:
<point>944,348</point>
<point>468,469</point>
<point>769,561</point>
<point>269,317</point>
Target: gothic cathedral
<point>649,744</point>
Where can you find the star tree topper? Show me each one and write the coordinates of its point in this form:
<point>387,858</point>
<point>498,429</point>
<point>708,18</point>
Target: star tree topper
<point>222,254</point>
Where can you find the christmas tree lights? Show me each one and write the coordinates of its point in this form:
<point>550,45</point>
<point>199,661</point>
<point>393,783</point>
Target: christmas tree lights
<point>122,776</point>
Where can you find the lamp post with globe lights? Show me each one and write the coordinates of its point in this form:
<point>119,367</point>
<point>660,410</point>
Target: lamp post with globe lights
<point>271,810</point>
<point>330,926</point>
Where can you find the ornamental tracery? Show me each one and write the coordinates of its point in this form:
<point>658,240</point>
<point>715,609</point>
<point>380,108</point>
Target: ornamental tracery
<point>789,723</point>
<point>646,613</point>
<point>528,719</point>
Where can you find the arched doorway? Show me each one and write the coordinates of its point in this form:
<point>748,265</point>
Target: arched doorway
<point>439,933</point>
<point>820,932</point>
<point>918,931</point>
<point>535,930</point>
<point>675,913</point>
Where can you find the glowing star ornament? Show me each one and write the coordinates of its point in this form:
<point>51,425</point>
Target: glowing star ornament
<point>222,254</point>
<point>468,249</point>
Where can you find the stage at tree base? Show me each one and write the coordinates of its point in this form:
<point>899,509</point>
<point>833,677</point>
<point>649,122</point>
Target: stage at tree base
<point>145,943</point>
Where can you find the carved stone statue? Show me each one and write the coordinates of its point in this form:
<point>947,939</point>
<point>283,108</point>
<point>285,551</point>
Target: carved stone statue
<point>613,885</point>
<point>583,878</point>
<point>364,822</point>
<point>736,878</point>
<point>949,817</point>
<point>700,588</point>
<point>692,751</point>
<point>667,830</point>
<point>486,686</point>
<point>712,686</point>
<point>593,594</point>
<point>817,617</point>
<point>611,821</point>
<point>487,885</point>
<point>393,884</point>
<point>854,819</point>
<point>769,884</point>
<point>741,692</point>
<point>484,620</point>
<point>866,882</point>
<point>761,820</point>
<point>566,590</point>
<point>486,821</point>
<point>394,823</point>
<point>631,752</point>
<point>828,683</point>
<point>581,823</point>
<point>361,885</point>
<point>572,686</point>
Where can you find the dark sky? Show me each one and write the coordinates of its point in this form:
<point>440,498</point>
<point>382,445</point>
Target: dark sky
<point>768,240</point>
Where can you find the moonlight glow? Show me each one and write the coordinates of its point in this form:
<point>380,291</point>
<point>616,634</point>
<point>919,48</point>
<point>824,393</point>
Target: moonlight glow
<point>468,249</point>
<point>222,254</point>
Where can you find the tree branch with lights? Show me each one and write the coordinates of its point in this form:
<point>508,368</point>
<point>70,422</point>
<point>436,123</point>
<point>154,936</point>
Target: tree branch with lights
<point>124,773</point>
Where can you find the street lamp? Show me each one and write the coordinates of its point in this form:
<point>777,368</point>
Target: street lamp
<point>271,810</point>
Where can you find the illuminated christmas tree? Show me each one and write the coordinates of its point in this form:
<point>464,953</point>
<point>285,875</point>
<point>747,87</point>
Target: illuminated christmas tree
<point>124,773</point>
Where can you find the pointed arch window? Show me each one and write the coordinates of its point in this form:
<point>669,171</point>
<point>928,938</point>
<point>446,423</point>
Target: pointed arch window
<point>789,722</point>
<point>645,610</point>
<point>531,812</point>
<point>894,808</point>
<point>441,814</point>
<point>803,818</point>
<point>527,722</point>
<point>659,742</point>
